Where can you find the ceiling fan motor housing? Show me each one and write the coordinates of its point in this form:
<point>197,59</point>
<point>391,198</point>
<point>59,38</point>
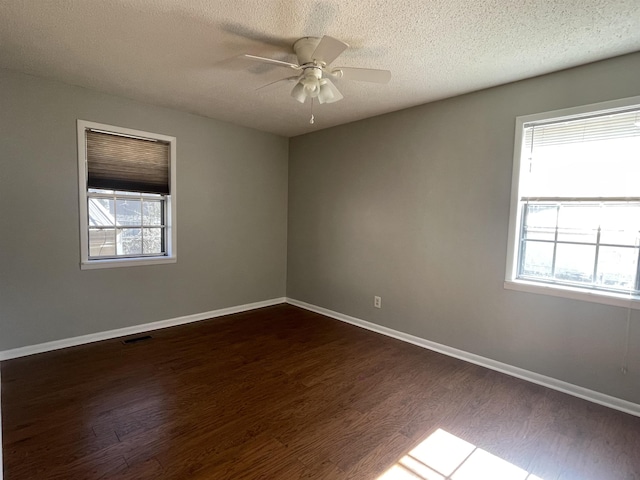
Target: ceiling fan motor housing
<point>304,48</point>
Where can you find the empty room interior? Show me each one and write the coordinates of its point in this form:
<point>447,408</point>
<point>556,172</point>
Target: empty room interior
<point>320,239</point>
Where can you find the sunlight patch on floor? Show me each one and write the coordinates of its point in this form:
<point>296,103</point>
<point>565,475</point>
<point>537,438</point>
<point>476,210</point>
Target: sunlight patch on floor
<point>443,456</point>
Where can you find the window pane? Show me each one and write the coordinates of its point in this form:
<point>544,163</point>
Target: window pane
<point>617,267</point>
<point>152,212</point>
<point>578,223</point>
<point>152,240</point>
<point>574,263</point>
<point>620,224</point>
<point>537,259</point>
<point>102,242</point>
<point>101,212</point>
<point>99,190</point>
<point>129,241</point>
<point>541,222</point>
<point>129,212</point>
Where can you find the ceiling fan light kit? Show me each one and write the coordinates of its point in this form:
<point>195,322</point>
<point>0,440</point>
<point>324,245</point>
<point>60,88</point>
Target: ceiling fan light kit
<point>315,55</point>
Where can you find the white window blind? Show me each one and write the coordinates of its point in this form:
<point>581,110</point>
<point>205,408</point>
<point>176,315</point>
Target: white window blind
<point>590,129</point>
<point>595,156</point>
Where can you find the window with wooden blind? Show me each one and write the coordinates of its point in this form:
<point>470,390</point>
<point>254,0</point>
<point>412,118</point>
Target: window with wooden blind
<point>127,196</point>
<point>575,206</point>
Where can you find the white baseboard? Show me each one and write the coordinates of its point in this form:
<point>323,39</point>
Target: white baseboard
<point>549,382</point>
<point>123,332</point>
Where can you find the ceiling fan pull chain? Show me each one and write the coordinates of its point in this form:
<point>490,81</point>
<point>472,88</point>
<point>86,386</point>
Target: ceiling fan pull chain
<point>312,120</point>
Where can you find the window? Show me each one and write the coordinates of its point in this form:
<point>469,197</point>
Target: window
<point>575,205</point>
<point>127,196</point>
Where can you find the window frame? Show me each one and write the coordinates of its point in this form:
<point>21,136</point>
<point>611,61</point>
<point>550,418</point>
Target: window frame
<point>511,281</point>
<point>170,255</point>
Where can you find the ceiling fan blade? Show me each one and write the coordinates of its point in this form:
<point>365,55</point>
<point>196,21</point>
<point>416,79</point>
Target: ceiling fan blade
<point>328,50</point>
<point>329,93</point>
<point>272,61</point>
<point>362,74</point>
<point>271,85</point>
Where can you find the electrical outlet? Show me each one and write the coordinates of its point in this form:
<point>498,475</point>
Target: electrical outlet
<point>377,302</point>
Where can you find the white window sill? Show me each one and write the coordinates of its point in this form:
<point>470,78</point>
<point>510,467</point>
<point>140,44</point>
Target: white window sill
<point>594,296</point>
<point>125,262</point>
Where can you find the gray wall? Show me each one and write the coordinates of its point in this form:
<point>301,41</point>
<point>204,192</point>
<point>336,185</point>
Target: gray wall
<point>414,206</point>
<point>232,214</point>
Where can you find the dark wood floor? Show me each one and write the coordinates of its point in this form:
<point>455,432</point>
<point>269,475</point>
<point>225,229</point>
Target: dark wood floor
<point>281,393</point>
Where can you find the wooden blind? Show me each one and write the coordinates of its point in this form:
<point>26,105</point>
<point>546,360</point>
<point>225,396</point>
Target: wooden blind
<point>116,162</point>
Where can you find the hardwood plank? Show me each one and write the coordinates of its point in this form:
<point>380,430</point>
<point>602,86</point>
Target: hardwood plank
<point>282,393</point>
<point>381,458</point>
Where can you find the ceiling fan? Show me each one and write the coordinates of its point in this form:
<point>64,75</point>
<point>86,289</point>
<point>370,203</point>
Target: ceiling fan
<point>315,56</point>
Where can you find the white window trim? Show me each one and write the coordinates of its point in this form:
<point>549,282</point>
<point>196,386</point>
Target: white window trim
<point>85,262</point>
<point>511,282</point>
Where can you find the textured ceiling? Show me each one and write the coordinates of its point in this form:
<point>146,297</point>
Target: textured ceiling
<point>180,54</point>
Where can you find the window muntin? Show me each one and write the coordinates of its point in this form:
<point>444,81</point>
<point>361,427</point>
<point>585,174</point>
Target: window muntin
<point>127,196</point>
<point>575,214</point>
